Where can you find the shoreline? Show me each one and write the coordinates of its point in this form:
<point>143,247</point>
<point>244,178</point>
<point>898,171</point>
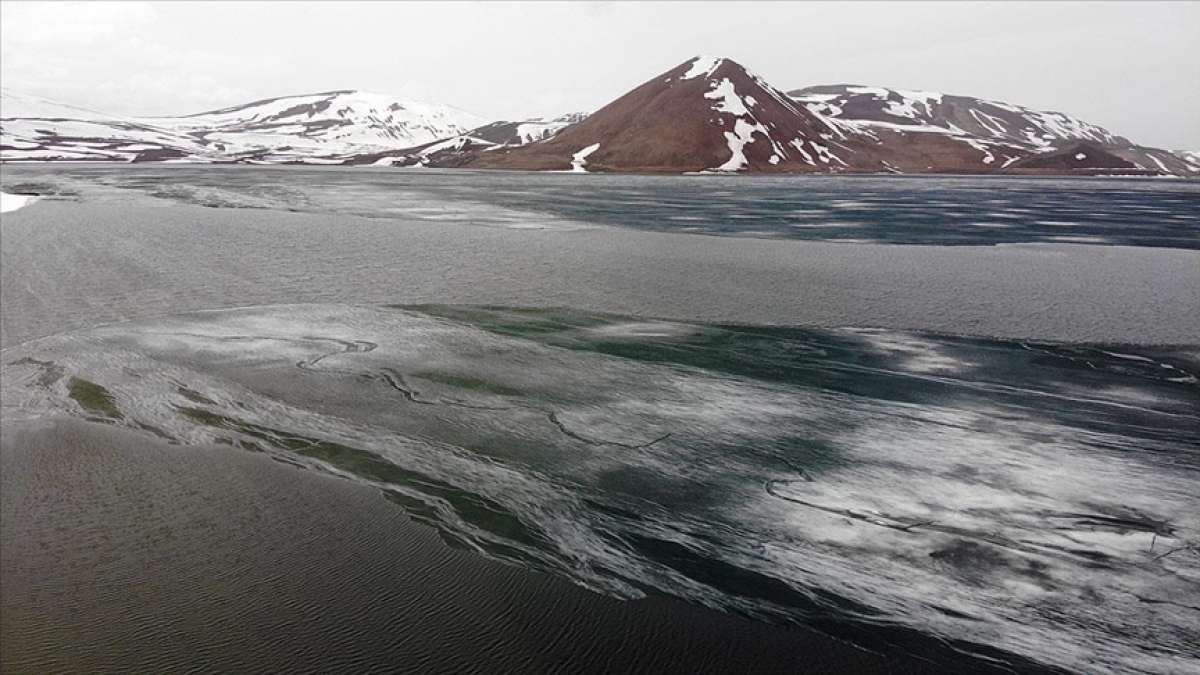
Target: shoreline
<point>321,166</point>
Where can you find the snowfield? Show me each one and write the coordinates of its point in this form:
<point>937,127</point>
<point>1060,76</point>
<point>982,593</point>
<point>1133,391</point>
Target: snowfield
<point>316,128</point>
<point>338,122</point>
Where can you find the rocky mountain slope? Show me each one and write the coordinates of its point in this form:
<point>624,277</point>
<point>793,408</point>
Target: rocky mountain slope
<point>713,115</point>
<point>1190,157</point>
<point>707,114</point>
<point>931,131</point>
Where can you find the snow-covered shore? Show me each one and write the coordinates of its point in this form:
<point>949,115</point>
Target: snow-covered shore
<point>13,202</point>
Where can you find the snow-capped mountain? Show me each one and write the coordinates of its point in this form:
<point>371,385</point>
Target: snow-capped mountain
<point>38,129</point>
<point>1191,158</point>
<point>713,115</point>
<point>706,114</point>
<point>919,131</point>
<point>330,127</point>
<point>331,124</point>
<point>860,108</point>
<point>461,150</point>
<point>529,131</point>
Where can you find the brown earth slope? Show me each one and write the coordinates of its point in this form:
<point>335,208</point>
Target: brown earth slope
<point>707,114</point>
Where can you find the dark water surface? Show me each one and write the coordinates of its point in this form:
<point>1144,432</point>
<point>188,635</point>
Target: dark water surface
<point>943,211</point>
<point>124,554</point>
<point>939,496</point>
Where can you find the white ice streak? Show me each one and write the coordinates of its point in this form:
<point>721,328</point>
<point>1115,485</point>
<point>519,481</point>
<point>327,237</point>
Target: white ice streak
<point>824,154</point>
<point>1159,162</point>
<point>913,353</point>
<point>981,146</point>
<point>798,144</point>
<point>994,125</point>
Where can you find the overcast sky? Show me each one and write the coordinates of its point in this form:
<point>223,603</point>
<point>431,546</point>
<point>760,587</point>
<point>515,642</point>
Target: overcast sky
<point>1132,67</point>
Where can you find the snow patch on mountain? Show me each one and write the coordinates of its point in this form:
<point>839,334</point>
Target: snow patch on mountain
<point>1191,158</point>
<point>727,99</point>
<point>798,144</point>
<point>1159,162</point>
<point>456,144</point>
<point>331,123</point>
<point>746,124</point>
<point>579,159</point>
<point>45,139</point>
<point>743,133</point>
<point>702,66</point>
<point>324,128</point>
<point>983,147</point>
<point>531,132</point>
<point>1002,133</point>
<point>506,133</point>
<point>909,100</point>
<point>824,154</point>
<point>909,111</point>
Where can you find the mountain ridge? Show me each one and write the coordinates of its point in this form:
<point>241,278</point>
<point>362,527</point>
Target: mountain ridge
<point>999,132</point>
<point>705,115</point>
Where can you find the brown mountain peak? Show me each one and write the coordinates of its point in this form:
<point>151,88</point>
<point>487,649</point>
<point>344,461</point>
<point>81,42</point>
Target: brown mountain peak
<point>705,114</point>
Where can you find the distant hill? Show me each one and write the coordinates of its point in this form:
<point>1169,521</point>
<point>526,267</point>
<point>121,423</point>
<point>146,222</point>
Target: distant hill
<point>931,131</point>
